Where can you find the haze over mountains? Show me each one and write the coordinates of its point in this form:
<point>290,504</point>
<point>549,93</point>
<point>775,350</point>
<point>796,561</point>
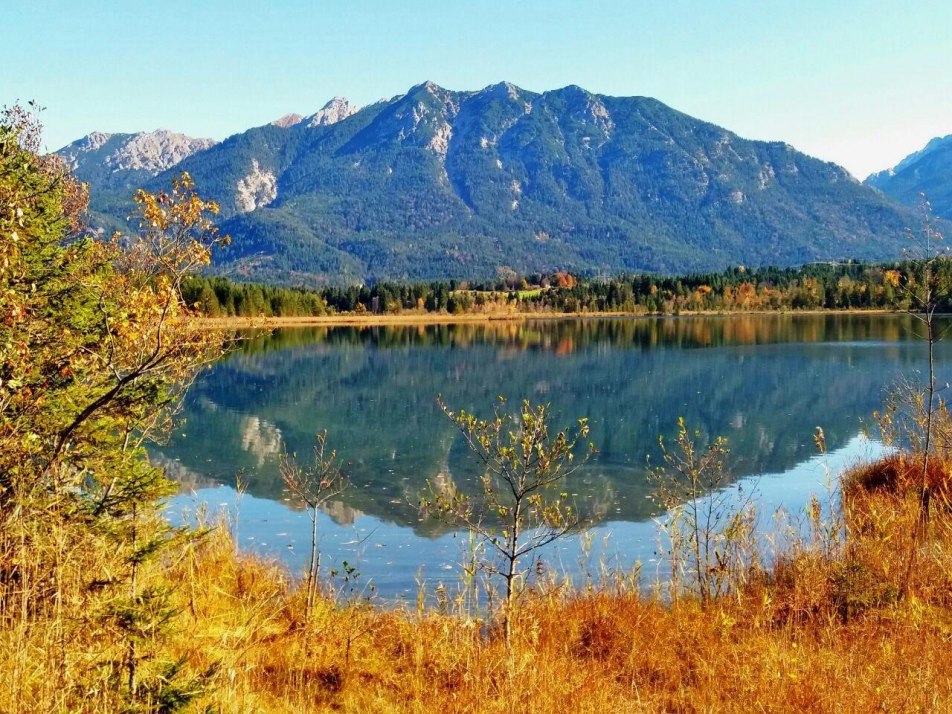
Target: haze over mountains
<point>438,184</point>
<point>927,171</point>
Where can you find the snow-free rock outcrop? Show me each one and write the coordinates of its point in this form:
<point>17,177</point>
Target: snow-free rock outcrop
<point>150,151</point>
<point>257,189</point>
<point>334,111</point>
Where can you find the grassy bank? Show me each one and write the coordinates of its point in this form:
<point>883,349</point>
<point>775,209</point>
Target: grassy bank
<point>833,625</point>
<point>819,632</point>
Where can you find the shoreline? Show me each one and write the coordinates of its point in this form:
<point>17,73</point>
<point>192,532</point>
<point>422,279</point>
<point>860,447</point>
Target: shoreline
<point>411,319</point>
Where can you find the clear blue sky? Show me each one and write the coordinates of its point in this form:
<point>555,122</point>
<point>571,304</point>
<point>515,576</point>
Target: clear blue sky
<point>859,83</point>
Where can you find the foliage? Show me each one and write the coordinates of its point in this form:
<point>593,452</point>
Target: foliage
<point>96,345</point>
<point>313,487</point>
<point>519,509</point>
<point>815,287</point>
<point>708,523</point>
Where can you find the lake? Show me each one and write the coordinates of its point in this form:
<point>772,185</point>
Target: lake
<point>765,382</point>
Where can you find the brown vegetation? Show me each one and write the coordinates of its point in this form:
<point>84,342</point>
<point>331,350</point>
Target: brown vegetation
<point>816,632</point>
<point>898,474</point>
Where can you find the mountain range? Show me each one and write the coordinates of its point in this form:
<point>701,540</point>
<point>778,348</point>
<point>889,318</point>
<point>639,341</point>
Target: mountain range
<point>927,172</point>
<point>441,184</point>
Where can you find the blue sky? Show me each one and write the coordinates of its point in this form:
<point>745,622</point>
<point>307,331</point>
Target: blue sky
<point>859,83</point>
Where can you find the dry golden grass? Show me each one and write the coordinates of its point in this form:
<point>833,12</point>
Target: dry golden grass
<point>897,473</point>
<point>582,653</point>
<point>816,632</point>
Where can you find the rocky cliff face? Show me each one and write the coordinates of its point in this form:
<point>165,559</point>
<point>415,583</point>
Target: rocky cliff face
<point>257,189</point>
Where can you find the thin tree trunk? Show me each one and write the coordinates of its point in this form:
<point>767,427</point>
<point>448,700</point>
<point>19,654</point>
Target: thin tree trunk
<point>925,496</point>
<point>133,591</point>
<point>513,557</point>
<point>313,566</point>
<point>696,526</point>
<point>507,615</point>
<point>921,530</point>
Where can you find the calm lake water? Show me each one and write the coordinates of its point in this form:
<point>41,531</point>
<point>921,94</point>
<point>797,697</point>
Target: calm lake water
<point>763,382</point>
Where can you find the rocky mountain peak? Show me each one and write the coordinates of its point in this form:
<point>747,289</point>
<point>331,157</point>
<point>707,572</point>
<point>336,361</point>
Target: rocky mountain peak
<point>78,150</point>
<point>572,93</point>
<point>288,120</point>
<point>337,109</point>
<point>430,86</point>
<point>93,141</point>
<point>155,151</point>
<point>503,89</point>
<point>432,94</point>
<point>924,172</point>
<point>936,144</point>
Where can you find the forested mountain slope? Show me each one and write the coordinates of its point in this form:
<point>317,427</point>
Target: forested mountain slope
<point>439,184</point>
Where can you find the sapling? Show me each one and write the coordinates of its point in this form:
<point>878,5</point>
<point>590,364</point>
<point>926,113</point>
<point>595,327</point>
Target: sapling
<point>521,506</point>
<point>313,486</point>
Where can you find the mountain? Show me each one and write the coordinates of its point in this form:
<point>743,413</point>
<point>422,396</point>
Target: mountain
<point>116,164</point>
<point>288,120</point>
<point>437,183</point>
<point>115,159</point>
<point>334,111</point>
<point>927,171</point>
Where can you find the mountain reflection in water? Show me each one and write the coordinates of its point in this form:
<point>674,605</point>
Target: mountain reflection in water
<point>764,382</point>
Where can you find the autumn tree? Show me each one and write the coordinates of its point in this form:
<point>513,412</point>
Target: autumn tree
<point>922,290</point>
<point>915,415</point>
<point>707,521</point>
<point>522,505</point>
<point>96,346</point>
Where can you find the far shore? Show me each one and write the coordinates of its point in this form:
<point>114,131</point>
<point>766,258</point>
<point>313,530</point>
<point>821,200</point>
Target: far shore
<point>372,320</point>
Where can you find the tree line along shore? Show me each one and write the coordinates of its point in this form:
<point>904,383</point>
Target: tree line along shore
<point>840,286</point>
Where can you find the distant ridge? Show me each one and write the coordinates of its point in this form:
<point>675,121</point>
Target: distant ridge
<point>148,152</point>
<point>927,171</point>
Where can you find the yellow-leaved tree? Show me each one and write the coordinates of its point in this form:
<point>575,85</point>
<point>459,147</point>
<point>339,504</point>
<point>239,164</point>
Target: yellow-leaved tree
<point>96,347</point>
